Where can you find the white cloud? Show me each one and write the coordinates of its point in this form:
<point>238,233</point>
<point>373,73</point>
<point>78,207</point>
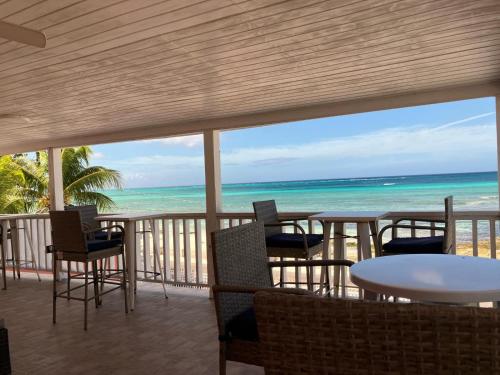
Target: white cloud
<point>154,161</point>
<point>186,141</point>
<point>97,155</point>
<point>407,142</point>
<point>400,150</point>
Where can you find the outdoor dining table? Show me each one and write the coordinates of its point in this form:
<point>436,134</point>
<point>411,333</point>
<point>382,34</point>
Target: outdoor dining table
<point>129,220</point>
<point>439,278</point>
<point>366,223</point>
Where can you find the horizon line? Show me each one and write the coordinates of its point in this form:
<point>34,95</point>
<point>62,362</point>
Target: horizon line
<point>314,179</point>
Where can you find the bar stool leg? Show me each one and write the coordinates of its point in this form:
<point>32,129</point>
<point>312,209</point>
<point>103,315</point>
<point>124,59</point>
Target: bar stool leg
<point>86,301</point>
<point>282,284</point>
<point>4,276</point>
<point>54,287</point>
<point>97,298</point>
<point>124,281</point>
<point>68,295</point>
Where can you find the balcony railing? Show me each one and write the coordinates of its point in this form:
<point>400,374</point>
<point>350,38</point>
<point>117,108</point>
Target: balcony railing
<point>183,250</point>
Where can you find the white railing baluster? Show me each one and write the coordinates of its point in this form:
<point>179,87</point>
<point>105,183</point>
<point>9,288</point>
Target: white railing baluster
<point>493,239</point>
<point>413,231</point>
<point>166,249</point>
<point>177,251</point>
<point>187,250</point>
<point>474,238</point>
<point>156,240</point>
<point>198,251</point>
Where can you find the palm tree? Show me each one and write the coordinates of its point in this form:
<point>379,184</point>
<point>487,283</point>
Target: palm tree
<point>10,180</point>
<point>81,181</point>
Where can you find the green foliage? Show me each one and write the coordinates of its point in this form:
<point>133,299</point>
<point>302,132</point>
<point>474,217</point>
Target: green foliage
<point>24,181</point>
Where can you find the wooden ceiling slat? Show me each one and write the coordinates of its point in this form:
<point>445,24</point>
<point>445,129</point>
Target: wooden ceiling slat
<point>154,11</point>
<point>131,121</point>
<point>131,27</point>
<point>39,10</point>
<point>125,66</point>
<point>331,86</point>
<point>142,68</point>
<point>11,7</point>
<point>339,67</point>
<point>142,52</point>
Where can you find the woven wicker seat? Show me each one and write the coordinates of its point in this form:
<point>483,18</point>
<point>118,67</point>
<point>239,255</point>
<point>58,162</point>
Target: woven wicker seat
<point>311,335</point>
<point>71,243</point>
<point>242,268</point>
<point>440,244</point>
<point>287,245</point>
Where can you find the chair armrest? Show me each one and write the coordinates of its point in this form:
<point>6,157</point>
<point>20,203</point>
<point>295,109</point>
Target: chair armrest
<point>284,224</point>
<point>419,220</point>
<point>403,226</point>
<point>119,227</point>
<point>311,263</point>
<point>407,226</point>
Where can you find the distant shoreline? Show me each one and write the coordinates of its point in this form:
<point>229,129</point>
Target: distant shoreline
<point>359,178</point>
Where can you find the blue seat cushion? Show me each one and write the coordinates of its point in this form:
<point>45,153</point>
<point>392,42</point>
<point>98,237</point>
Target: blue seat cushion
<point>292,240</point>
<point>103,235</point>
<point>417,245</point>
<point>96,245</point>
<point>243,326</point>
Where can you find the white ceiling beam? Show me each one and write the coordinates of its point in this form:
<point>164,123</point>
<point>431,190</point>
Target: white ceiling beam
<point>440,95</point>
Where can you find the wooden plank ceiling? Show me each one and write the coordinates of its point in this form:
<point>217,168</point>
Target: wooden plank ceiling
<point>115,66</point>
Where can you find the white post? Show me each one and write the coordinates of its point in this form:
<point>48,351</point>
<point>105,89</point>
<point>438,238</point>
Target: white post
<point>497,100</point>
<point>56,189</point>
<point>213,191</point>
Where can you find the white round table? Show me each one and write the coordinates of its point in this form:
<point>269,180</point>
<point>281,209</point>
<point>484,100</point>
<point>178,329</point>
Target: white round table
<point>431,277</point>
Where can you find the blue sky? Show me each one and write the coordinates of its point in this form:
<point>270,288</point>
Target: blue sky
<point>440,138</point>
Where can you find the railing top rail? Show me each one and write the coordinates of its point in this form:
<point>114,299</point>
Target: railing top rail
<point>458,214</point>
<point>136,216</point>
<point>23,216</point>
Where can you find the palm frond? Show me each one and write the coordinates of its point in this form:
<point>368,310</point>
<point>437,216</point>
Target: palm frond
<point>102,201</point>
<point>94,178</point>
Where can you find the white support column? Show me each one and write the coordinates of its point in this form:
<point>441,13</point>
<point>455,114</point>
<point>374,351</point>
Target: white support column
<point>497,100</point>
<point>56,189</point>
<point>213,191</point>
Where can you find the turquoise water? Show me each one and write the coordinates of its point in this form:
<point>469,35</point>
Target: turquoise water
<point>424,192</point>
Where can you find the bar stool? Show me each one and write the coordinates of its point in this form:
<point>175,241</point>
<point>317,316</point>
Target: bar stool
<point>70,244</point>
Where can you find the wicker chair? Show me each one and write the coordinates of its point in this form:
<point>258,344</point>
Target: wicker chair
<point>287,245</point>
<point>71,243</point>
<point>421,245</point>
<point>88,213</point>
<point>242,268</point>
<point>311,335</point>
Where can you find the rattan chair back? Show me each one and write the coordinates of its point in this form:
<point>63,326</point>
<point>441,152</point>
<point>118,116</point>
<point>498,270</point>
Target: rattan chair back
<point>67,232</point>
<point>88,213</point>
<point>240,259</point>
<point>267,213</point>
<point>449,223</point>
<point>311,335</point>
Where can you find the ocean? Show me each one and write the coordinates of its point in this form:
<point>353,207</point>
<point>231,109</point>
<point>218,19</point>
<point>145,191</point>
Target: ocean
<point>423,192</point>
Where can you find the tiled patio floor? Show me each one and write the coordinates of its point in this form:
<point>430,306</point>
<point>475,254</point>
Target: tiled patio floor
<point>174,336</point>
